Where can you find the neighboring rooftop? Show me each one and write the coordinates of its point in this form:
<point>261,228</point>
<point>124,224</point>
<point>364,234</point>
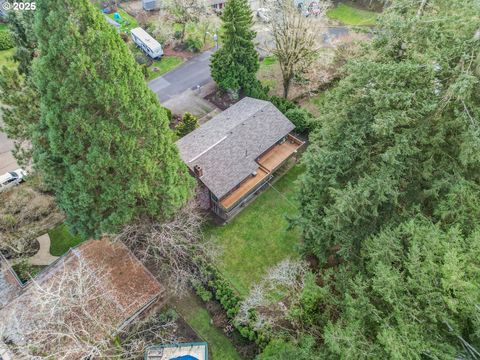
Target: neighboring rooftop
<point>125,284</point>
<point>10,286</point>
<point>226,147</point>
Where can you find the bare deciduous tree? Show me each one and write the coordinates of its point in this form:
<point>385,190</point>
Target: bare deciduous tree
<point>171,246</point>
<point>185,11</point>
<point>295,37</point>
<point>284,281</point>
<point>73,315</point>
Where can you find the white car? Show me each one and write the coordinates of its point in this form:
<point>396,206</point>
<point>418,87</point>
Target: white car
<point>12,178</point>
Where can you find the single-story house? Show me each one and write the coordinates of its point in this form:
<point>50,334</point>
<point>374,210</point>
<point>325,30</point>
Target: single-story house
<point>119,284</point>
<point>235,154</point>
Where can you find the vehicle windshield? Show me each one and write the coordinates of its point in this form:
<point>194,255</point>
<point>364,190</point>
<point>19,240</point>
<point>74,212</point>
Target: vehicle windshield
<point>13,173</point>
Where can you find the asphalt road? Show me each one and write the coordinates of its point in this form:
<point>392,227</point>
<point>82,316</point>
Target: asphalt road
<point>7,161</point>
<point>195,71</point>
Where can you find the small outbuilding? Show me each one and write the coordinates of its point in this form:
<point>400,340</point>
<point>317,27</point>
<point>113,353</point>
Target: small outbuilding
<point>149,5</point>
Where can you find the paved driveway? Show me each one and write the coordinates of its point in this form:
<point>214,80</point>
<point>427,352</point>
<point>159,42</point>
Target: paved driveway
<point>195,71</point>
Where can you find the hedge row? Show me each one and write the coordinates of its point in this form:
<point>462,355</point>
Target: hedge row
<point>230,301</point>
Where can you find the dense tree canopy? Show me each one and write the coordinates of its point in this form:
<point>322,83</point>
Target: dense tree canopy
<point>18,93</point>
<point>418,295</point>
<point>234,66</point>
<point>393,186</point>
<point>103,143</point>
<point>400,132</point>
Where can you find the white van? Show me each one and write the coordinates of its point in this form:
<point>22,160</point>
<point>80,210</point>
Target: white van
<point>12,178</point>
<point>148,44</point>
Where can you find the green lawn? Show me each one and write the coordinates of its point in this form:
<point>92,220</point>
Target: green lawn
<point>6,58</point>
<point>3,26</point>
<point>166,64</point>
<point>61,240</point>
<point>199,319</point>
<point>269,60</point>
<point>352,16</point>
<point>128,22</point>
<point>314,104</point>
<point>258,237</point>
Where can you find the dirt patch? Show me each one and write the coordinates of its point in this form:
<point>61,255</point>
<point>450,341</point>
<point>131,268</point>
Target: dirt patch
<point>178,51</point>
<point>222,100</point>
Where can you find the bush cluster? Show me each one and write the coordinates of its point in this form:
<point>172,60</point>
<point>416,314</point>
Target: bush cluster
<point>301,118</point>
<point>6,40</point>
<point>230,301</point>
<point>193,44</point>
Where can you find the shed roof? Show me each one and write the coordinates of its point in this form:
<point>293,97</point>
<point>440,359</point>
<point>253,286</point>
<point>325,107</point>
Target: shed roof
<point>227,146</point>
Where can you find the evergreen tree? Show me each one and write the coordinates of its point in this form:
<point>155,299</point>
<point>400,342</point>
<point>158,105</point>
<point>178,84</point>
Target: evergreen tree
<point>234,66</point>
<point>18,94</point>
<point>103,142</point>
<point>21,24</point>
<point>187,125</point>
<point>417,297</point>
<point>400,132</point>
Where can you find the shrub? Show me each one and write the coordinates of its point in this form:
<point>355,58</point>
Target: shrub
<point>282,104</point>
<point>177,34</point>
<point>203,293</point>
<point>7,222</point>
<point>301,118</point>
<point>6,40</point>
<point>230,302</point>
<point>141,59</point>
<point>25,271</point>
<point>193,44</point>
<point>187,124</point>
<point>124,37</point>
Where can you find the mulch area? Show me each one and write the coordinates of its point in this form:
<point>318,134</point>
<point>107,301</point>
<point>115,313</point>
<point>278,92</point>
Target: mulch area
<point>222,100</point>
<point>178,51</point>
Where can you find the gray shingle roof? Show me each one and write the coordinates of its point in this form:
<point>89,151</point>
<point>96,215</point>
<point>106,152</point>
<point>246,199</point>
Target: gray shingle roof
<point>227,146</point>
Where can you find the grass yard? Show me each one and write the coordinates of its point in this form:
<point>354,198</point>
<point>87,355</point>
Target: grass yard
<point>269,60</point>
<point>61,240</point>
<point>314,104</point>
<point>258,237</point>
<point>166,64</point>
<point>6,58</point>
<point>268,65</point>
<point>199,319</point>
<point>352,16</point>
<point>127,22</point>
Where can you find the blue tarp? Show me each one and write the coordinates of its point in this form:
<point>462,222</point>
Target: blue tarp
<point>185,357</point>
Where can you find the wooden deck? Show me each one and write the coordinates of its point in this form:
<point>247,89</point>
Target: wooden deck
<point>273,158</point>
<point>268,163</point>
<point>244,188</point>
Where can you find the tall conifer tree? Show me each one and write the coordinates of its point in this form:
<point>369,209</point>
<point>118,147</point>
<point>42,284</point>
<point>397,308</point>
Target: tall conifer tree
<point>401,132</point>
<point>234,66</point>
<point>103,142</point>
